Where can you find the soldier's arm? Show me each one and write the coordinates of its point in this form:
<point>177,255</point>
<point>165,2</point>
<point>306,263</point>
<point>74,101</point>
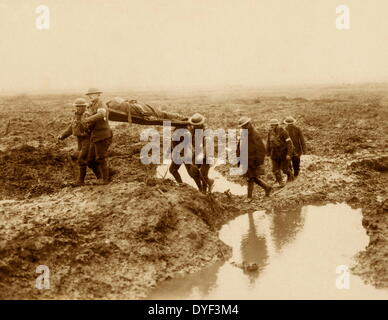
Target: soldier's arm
<point>100,114</point>
<point>290,145</point>
<point>261,152</point>
<point>238,148</point>
<point>238,153</point>
<point>67,133</point>
<point>268,146</point>
<point>302,141</point>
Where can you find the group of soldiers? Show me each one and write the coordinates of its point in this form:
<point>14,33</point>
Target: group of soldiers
<point>91,127</point>
<point>94,136</point>
<point>284,147</point>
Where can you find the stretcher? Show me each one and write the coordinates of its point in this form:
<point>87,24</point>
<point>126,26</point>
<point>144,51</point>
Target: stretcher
<point>121,116</point>
<point>121,110</point>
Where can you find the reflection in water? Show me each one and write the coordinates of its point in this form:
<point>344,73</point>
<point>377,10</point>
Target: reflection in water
<point>286,225</point>
<point>297,253</point>
<point>253,250</point>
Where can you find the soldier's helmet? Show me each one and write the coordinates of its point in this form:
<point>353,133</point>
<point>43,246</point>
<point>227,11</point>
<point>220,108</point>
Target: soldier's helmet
<point>80,102</point>
<point>243,121</point>
<point>197,119</point>
<point>274,122</point>
<point>289,120</point>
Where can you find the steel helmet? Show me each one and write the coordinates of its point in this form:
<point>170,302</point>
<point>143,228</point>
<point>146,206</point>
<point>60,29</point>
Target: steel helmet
<point>197,119</point>
<point>243,121</point>
<point>80,102</point>
<point>289,120</point>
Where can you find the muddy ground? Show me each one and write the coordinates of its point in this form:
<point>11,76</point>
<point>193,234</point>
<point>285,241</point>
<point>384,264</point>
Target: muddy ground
<point>120,240</point>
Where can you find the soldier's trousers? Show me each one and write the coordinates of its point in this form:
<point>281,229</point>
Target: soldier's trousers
<point>198,173</point>
<point>296,164</point>
<point>97,155</point>
<point>82,159</point>
<point>278,166</point>
<point>83,148</point>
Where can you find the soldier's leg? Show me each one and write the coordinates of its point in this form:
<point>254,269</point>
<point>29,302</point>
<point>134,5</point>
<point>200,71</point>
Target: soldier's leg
<point>205,176</point>
<point>82,160</point>
<point>250,187</point>
<point>285,166</point>
<point>82,166</point>
<point>174,167</point>
<point>267,188</point>
<point>101,149</point>
<point>277,172</point>
<point>296,165</point>
<point>92,164</point>
<point>194,172</point>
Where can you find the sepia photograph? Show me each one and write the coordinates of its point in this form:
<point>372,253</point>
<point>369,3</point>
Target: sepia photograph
<point>174,150</point>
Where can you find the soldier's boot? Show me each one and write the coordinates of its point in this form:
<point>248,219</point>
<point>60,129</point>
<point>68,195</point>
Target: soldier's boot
<point>267,188</point>
<point>176,175</point>
<point>105,173</point>
<point>250,191</point>
<point>199,184</point>
<point>104,170</point>
<point>210,184</point>
<point>279,179</point>
<point>195,174</point>
<point>81,177</point>
<point>296,173</point>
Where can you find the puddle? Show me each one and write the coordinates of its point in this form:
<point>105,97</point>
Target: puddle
<point>296,253</point>
<point>221,184</point>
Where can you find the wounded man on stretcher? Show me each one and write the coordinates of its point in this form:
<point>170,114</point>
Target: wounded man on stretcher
<point>133,111</point>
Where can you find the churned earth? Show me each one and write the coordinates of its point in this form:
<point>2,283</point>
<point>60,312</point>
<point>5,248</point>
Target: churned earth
<point>120,240</point>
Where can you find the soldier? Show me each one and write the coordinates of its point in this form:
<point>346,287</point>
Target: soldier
<point>141,110</point>
<point>82,133</point>
<point>101,135</point>
<point>256,156</point>
<point>199,172</point>
<point>280,149</point>
<point>298,141</point>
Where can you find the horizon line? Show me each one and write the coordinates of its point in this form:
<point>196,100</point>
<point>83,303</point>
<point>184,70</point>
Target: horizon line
<point>191,87</point>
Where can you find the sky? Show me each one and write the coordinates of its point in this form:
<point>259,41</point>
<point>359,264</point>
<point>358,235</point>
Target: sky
<point>123,44</point>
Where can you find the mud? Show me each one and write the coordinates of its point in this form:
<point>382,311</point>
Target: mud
<point>117,241</point>
<point>106,247</point>
<point>291,254</point>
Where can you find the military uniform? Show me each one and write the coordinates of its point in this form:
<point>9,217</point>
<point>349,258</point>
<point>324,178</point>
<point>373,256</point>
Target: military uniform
<point>199,172</point>
<point>279,147</point>
<point>256,157</point>
<point>298,141</point>
<point>100,139</point>
<point>82,132</point>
